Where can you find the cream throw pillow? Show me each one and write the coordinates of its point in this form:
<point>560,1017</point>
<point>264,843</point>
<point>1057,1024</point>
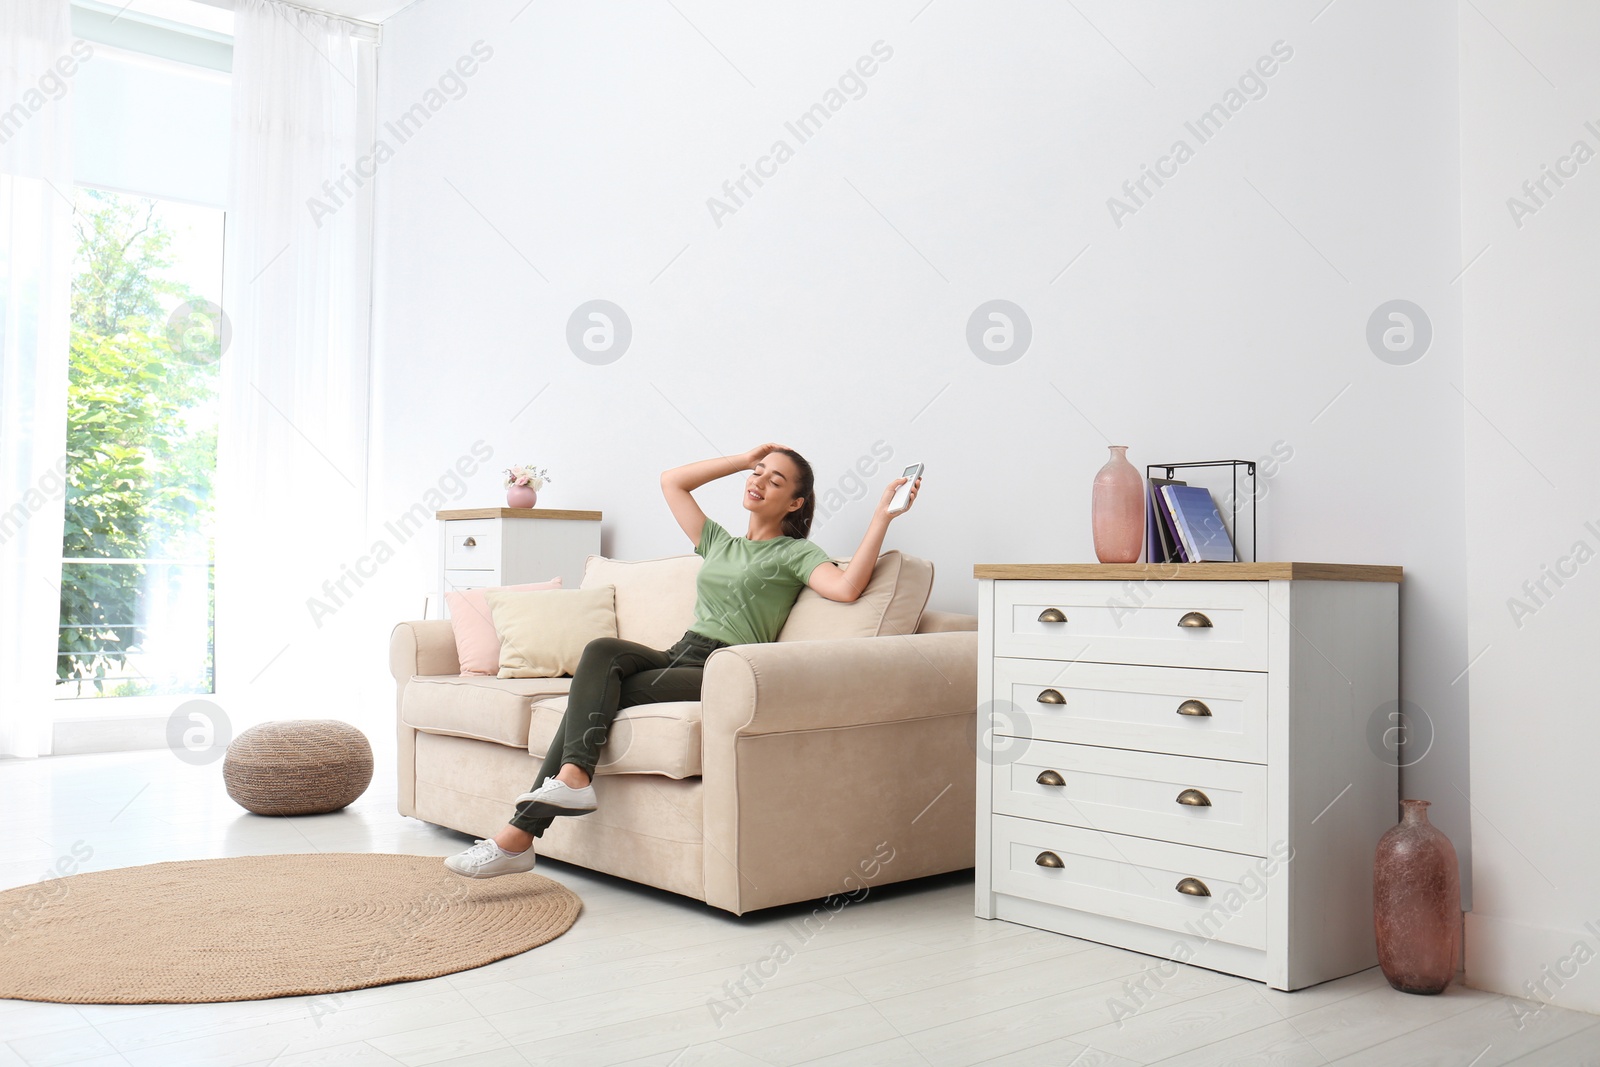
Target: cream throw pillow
<point>477,645</point>
<point>542,633</point>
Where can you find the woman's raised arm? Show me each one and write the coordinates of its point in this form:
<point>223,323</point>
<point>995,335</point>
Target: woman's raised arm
<point>679,483</point>
<point>846,584</point>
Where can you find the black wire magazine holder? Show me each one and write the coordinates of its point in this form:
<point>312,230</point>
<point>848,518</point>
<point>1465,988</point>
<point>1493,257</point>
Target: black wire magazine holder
<point>1233,495</point>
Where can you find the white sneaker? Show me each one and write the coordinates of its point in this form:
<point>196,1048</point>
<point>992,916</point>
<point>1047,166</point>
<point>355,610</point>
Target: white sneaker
<point>488,860</point>
<point>556,797</point>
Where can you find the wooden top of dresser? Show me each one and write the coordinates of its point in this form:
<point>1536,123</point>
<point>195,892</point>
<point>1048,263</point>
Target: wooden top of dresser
<point>518,513</point>
<point>1191,572</point>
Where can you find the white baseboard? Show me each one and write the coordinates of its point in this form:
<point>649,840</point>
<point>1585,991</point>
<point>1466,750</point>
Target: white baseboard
<point>1539,963</point>
<point>75,737</point>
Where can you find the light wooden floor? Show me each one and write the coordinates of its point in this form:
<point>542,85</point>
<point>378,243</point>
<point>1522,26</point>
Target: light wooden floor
<point>906,976</point>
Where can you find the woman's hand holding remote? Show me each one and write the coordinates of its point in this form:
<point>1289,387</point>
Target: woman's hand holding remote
<point>883,512</point>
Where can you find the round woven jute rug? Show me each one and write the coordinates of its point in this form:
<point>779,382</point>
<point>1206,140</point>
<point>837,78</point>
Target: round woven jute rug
<point>250,927</point>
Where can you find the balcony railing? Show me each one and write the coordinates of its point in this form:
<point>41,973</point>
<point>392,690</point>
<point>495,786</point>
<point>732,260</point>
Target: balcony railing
<point>135,627</point>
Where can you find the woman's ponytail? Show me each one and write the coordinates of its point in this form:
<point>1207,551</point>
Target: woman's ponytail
<point>797,523</point>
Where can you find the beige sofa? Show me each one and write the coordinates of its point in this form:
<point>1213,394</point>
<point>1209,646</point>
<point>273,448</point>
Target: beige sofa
<point>836,758</point>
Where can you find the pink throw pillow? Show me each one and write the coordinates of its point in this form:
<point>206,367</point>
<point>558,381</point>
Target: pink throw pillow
<point>477,644</point>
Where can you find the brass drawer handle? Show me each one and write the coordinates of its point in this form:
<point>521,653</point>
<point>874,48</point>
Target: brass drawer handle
<point>1193,887</point>
<point>1050,778</point>
<point>1194,620</point>
<point>471,542</point>
<point>1048,859</point>
<point>1193,798</point>
<point>1051,696</point>
<point>1052,615</point>
<point>1194,707</point>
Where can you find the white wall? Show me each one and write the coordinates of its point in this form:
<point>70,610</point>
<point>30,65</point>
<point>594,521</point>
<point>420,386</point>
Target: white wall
<point>1227,315</point>
<point>1529,85</point>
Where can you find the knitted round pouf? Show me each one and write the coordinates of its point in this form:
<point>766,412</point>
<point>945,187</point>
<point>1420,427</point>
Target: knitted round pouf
<point>298,767</point>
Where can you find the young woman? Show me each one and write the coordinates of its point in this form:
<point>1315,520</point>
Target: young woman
<point>745,590</point>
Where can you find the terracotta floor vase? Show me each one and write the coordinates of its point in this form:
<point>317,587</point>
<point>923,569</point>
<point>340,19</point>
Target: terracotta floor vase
<point>1416,898</point>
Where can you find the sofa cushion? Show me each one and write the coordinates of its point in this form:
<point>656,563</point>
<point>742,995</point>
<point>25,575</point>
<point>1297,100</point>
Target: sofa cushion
<point>890,605</point>
<point>655,600</point>
<point>468,705</point>
<point>644,738</point>
<point>543,634</point>
<point>655,597</point>
<point>938,622</point>
<point>477,644</point>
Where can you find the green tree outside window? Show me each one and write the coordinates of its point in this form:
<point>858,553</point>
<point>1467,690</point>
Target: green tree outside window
<point>141,448</point>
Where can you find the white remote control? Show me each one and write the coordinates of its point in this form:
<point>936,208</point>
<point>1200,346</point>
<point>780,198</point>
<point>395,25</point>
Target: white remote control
<point>902,496</point>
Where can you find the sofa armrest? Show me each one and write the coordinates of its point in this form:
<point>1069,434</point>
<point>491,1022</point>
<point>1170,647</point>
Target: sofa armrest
<point>935,622</point>
<point>824,760</point>
<point>788,686</point>
<point>423,647</point>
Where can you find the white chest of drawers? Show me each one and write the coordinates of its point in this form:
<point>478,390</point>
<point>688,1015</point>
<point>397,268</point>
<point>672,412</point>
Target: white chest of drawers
<point>1187,760</point>
<point>480,547</point>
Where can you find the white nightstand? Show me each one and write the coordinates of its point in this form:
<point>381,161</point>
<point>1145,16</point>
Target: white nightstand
<point>481,547</point>
<point>1181,760</point>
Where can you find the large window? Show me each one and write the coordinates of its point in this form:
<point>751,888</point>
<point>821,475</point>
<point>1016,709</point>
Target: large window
<point>136,573</point>
<point>151,116</point>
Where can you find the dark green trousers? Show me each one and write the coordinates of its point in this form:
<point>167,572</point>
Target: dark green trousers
<point>614,674</point>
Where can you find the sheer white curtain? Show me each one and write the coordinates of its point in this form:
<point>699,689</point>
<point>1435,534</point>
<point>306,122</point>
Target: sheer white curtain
<point>292,458</point>
<point>36,66</point>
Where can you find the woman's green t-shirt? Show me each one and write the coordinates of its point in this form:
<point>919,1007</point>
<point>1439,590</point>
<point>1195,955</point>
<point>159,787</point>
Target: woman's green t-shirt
<point>746,588</point>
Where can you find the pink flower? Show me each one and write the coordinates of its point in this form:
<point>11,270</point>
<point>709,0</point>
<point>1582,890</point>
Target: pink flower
<point>527,475</point>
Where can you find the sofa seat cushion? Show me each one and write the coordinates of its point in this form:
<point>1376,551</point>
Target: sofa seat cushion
<point>644,739</point>
<point>468,705</point>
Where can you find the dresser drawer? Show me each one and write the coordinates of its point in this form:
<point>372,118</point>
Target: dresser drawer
<point>1141,623</point>
<point>456,581</point>
<point>1218,714</point>
<point>1135,880</point>
<point>471,544</point>
<point>1223,805</point>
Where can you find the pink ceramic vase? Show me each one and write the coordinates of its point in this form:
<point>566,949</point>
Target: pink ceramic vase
<point>1416,903</point>
<point>520,496</point>
<point>1118,510</point>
